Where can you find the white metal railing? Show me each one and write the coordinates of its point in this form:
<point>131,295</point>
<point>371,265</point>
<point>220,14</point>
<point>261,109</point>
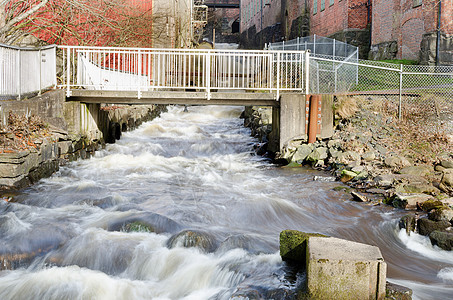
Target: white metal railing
<point>140,69</point>
<point>26,71</point>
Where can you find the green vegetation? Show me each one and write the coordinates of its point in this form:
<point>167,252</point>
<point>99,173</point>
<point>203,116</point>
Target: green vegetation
<point>400,61</point>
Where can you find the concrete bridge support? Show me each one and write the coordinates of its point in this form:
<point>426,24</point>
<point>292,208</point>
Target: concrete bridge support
<point>290,119</point>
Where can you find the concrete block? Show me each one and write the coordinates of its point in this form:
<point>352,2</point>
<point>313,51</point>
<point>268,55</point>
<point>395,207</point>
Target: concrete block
<point>292,117</point>
<point>341,269</point>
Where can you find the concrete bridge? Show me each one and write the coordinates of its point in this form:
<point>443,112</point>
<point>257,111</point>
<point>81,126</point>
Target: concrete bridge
<point>197,77</point>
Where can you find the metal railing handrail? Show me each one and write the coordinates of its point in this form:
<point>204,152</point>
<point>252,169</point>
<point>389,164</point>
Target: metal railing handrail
<point>28,48</point>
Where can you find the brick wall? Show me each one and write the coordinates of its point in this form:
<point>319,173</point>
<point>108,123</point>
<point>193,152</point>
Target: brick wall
<point>406,24</point>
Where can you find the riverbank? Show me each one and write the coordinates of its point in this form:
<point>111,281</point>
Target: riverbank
<point>39,135</point>
<point>407,164</point>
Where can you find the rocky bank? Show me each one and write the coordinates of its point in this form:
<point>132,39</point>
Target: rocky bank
<point>407,164</point>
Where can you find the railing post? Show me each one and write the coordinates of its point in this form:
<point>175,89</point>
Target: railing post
<point>400,91</point>
<point>68,72</point>
<point>139,73</point>
<point>307,72</point>
<point>40,71</point>
<point>19,73</point>
<point>208,75</point>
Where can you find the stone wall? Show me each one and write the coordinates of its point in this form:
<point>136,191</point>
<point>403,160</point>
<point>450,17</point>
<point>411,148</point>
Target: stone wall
<point>428,49</point>
<point>356,37</point>
<point>76,130</point>
<point>382,51</point>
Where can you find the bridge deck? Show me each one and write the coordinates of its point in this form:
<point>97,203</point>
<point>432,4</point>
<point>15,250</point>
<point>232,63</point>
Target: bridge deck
<point>172,97</point>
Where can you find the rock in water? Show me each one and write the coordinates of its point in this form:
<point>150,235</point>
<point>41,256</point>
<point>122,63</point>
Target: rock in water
<point>426,226</point>
<point>193,238</point>
<point>442,239</point>
<point>358,197</point>
<point>409,222</point>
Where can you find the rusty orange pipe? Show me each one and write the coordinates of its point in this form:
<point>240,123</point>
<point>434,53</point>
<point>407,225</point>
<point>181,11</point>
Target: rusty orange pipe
<point>313,119</point>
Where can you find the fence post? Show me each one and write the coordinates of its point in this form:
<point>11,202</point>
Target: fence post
<point>314,43</point>
<point>40,71</point>
<point>400,92</point>
<point>298,46</point>
<point>68,72</point>
<point>139,73</point>
<point>208,75</point>
<point>278,76</point>
<point>307,72</point>
<point>19,71</point>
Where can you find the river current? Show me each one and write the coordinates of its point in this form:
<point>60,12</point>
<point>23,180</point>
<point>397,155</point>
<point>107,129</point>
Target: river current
<point>194,171</point>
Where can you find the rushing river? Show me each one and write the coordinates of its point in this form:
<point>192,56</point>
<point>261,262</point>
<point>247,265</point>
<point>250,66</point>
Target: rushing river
<point>190,171</point>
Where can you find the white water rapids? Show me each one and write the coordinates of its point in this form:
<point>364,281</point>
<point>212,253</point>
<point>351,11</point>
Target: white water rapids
<point>190,171</point>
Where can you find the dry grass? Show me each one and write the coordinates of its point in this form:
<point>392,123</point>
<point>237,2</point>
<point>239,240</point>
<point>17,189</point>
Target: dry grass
<point>346,107</point>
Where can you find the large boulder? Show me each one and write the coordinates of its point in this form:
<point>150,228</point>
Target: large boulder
<point>317,154</point>
<point>397,162</point>
<point>441,214</point>
<point>426,226</point>
<point>301,153</point>
<point>409,200</point>
<point>442,239</point>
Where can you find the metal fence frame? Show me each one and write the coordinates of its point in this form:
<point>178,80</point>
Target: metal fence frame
<point>183,69</point>
<point>26,71</point>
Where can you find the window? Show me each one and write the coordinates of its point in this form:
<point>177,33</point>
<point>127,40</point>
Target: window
<point>323,5</point>
<point>417,3</point>
<point>331,2</point>
<point>315,6</point>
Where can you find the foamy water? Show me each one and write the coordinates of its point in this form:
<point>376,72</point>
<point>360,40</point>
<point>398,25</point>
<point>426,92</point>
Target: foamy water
<point>189,171</point>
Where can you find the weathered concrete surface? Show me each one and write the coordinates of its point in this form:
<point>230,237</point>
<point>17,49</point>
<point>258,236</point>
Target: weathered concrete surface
<point>293,245</point>
<point>340,269</point>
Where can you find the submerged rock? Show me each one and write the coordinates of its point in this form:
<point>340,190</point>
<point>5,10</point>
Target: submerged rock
<point>249,243</point>
<point>151,221</point>
<point>193,238</point>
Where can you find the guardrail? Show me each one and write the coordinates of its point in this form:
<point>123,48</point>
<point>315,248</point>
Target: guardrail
<point>26,71</point>
<point>103,68</point>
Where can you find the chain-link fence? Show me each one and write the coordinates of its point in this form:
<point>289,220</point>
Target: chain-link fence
<point>419,91</point>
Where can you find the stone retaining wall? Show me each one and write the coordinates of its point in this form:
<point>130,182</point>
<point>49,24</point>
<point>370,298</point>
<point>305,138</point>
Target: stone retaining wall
<point>76,130</point>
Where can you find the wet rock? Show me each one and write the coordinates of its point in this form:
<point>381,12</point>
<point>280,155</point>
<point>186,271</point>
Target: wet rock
<point>397,292</point>
<point>441,214</point>
<point>293,245</point>
<point>442,239</point>
<point>317,154</point>
<point>446,183</point>
<point>153,222</point>
<point>426,226</point>
<point>376,191</point>
<point>409,201</point>
<point>347,175</point>
<point>409,222</point>
<point>397,162</point>
<point>301,153</point>
<point>250,244</point>
<point>422,170</point>
<point>431,204</point>
<point>359,197</point>
<point>193,238</point>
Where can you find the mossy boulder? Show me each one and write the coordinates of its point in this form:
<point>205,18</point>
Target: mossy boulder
<point>441,214</point>
<point>293,245</point>
<point>431,204</point>
<point>347,175</point>
<point>138,226</point>
<point>426,226</point>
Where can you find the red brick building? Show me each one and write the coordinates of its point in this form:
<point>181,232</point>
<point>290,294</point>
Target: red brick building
<point>407,29</point>
<point>382,29</point>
